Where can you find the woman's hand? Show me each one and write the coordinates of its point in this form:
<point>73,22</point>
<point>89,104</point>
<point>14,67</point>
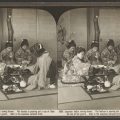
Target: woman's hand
<point>11,55</point>
<point>97,55</point>
<point>111,62</point>
<point>24,67</point>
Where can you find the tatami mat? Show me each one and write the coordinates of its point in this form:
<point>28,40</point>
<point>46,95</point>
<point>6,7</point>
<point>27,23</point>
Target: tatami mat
<point>72,94</point>
<point>3,96</point>
<point>106,95</point>
<point>33,93</point>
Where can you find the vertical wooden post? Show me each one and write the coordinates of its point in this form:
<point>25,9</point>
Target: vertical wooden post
<point>9,25</point>
<point>96,25</point>
<point>88,28</point>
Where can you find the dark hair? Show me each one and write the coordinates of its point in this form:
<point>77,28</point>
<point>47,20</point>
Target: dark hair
<point>94,44</point>
<point>71,44</point>
<point>110,43</point>
<point>8,44</point>
<point>35,49</point>
<point>80,49</point>
<point>24,42</point>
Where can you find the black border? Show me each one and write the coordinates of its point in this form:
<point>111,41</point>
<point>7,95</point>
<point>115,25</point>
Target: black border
<point>59,1</point>
<point>60,118</point>
<point>58,4</point>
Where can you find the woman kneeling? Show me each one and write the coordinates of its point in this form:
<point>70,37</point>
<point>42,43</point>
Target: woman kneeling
<point>40,69</point>
<point>76,68</point>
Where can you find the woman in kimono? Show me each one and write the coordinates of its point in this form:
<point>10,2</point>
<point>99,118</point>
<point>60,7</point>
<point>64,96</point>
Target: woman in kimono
<point>108,55</point>
<point>76,68</point>
<point>69,53</point>
<point>93,55</point>
<point>7,55</point>
<point>23,55</point>
<point>41,75</point>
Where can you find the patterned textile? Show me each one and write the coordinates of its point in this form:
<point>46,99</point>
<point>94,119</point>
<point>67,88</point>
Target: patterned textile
<point>116,83</point>
<point>91,57</point>
<point>108,56</point>
<point>117,50</point>
<point>60,84</point>
<point>7,57</point>
<point>67,56</point>
<point>22,55</point>
<point>74,70</point>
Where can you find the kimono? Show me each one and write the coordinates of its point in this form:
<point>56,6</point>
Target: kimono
<point>91,57</point>
<point>23,55</point>
<point>74,70</point>
<point>107,56</point>
<point>7,57</point>
<point>67,56</point>
<point>115,83</point>
<point>117,50</point>
<point>39,70</point>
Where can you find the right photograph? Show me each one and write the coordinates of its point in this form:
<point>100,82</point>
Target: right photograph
<point>88,57</point>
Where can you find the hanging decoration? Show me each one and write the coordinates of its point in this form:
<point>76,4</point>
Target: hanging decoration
<point>9,25</point>
<point>61,34</point>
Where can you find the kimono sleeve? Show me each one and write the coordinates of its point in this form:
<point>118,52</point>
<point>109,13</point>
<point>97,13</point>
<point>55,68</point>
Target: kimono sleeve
<point>104,57</point>
<point>84,69</point>
<point>2,55</point>
<point>29,56</point>
<point>18,56</point>
<point>33,68</point>
<point>1,58</point>
<point>44,63</point>
<point>88,56</point>
<point>115,57</point>
<point>81,68</point>
<point>66,56</point>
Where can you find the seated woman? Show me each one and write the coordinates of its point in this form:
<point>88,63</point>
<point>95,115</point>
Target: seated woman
<point>7,55</point>
<point>69,53</point>
<point>108,55</point>
<point>43,70</point>
<point>93,55</point>
<point>76,68</point>
<point>23,55</point>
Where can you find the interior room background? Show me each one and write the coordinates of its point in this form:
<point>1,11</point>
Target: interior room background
<point>79,26</point>
<point>33,24</point>
<point>39,25</point>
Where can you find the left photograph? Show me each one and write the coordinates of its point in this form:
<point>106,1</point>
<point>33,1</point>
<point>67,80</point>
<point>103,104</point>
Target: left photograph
<point>28,59</point>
